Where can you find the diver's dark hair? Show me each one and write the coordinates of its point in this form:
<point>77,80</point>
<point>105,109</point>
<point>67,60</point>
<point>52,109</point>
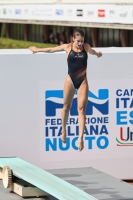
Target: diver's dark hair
<point>78,32</point>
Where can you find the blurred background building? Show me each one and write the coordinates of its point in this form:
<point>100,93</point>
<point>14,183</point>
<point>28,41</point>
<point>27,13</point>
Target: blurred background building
<point>106,22</point>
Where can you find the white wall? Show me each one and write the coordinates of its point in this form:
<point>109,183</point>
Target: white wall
<point>24,78</point>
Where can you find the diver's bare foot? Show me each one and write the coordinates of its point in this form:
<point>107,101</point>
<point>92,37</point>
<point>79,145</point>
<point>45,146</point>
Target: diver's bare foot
<point>63,136</point>
<point>80,144</point>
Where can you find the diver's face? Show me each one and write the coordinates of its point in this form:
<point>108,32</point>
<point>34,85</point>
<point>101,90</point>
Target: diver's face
<point>78,41</point>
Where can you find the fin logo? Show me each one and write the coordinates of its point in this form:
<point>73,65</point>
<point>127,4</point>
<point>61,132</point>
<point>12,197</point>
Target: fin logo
<point>54,101</point>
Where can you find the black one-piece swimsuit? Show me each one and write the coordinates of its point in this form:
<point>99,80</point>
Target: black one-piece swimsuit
<point>77,65</point>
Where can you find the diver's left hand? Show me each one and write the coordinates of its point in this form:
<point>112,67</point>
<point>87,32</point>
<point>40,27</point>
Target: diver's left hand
<point>99,54</point>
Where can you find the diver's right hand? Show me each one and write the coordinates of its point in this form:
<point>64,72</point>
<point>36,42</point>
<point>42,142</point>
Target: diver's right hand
<point>33,49</point>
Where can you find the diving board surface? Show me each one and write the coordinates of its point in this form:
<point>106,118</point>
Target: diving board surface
<point>51,184</point>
